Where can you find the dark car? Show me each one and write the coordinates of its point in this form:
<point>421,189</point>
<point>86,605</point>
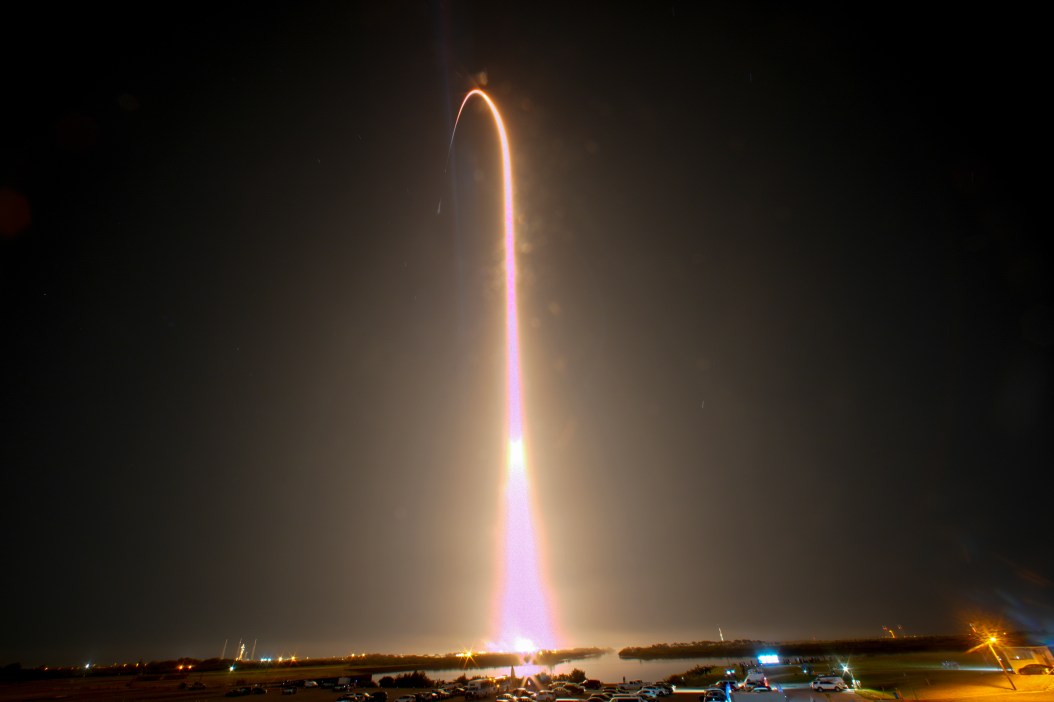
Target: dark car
<point>713,695</point>
<point>378,696</point>
<point>1035,669</point>
<point>258,690</point>
<point>238,692</point>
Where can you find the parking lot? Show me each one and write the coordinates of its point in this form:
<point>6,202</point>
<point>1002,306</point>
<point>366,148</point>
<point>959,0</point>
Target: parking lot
<point>883,677</point>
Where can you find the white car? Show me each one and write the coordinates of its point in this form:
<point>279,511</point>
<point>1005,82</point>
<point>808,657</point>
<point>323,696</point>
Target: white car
<point>829,683</point>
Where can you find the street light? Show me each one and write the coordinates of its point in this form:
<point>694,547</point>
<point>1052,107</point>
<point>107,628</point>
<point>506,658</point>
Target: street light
<point>845,669</point>
<point>990,640</point>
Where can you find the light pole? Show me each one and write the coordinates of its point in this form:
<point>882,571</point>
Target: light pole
<point>852,680</point>
<point>991,647</point>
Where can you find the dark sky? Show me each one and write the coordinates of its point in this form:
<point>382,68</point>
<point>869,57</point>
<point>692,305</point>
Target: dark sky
<point>785,310</point>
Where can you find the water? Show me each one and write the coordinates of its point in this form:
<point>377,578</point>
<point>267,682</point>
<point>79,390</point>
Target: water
<point>608,668</point>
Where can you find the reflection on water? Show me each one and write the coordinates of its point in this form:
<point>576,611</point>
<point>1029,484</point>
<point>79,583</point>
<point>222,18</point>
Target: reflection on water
<point>608,668</point>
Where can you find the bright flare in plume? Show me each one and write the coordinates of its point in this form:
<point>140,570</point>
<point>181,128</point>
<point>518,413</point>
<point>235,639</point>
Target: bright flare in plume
<point>524,622</point>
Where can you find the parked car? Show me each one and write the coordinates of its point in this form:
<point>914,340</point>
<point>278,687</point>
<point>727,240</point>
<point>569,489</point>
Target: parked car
<point>1035,669</point>
<point>238,692</point>
<point>626,698</point>
<point>713,695</point>
<point>828,683</point>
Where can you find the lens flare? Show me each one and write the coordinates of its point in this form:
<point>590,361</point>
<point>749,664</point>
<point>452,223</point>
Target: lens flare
<point>524,622</point>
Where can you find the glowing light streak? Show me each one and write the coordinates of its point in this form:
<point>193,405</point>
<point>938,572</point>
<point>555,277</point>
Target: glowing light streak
<point>524,620</point>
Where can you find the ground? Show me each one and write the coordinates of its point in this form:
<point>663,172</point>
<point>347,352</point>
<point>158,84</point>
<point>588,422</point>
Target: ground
<point>911,677</point>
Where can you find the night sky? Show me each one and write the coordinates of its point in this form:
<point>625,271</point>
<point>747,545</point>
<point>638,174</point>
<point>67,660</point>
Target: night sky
<point>785,307</point>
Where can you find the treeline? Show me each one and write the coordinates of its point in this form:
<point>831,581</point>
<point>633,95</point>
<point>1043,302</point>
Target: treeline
<point>175,669</point>
<point>382,662</point>
<point>416,679</point>
<point>14,672</point>
<point>366,663</point>
<point>744,648</point>
<point>565,655</point>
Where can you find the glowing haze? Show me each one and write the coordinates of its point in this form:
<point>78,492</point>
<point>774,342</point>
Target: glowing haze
<point>523,620</point>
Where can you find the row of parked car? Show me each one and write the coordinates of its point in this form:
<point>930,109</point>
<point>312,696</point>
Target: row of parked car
<point>720,690</point>
<point>290,687</point>
<point>573,692</point>
<point>564,692</point>
<point>376,696</point>
<point>443,693</point>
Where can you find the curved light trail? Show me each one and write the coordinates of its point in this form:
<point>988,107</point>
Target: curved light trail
<point>524,622</point>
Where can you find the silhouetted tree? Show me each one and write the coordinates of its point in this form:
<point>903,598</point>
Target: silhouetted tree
<point>414,679</point>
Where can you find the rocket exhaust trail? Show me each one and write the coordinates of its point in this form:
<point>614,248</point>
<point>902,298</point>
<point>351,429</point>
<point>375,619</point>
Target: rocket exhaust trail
<point>524,621</point>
